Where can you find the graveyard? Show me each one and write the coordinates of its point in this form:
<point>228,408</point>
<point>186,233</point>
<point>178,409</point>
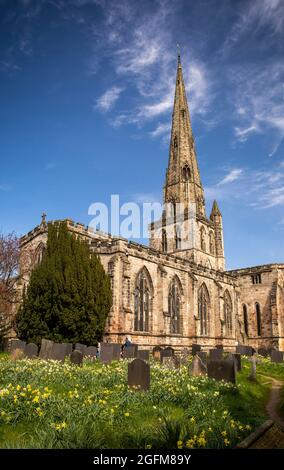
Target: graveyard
<point>143,401</point>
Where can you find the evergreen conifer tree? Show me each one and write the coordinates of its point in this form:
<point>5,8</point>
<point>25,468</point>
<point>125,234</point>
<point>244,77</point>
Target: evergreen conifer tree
<point>69,295</point>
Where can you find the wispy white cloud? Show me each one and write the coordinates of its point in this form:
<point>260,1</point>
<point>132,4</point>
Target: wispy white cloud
<point>252,16</point>
<point>261,189</point>
<point>108,99</point>
<point>233,175</point>
<point>161,129</point>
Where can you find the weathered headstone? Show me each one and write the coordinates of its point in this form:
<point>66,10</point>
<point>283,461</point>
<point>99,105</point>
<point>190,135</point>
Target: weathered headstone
<point>45,349</point>
<point>139,374</point>
<point>177,361</point>
<point>222,370</point>
<point>143,354</point>
<point>31,350</point>
<point>276,356</point>
<point>18,344</point>
<point>238,361</point>
<point>195,348</point>
<point>252,375</point>
<point>110,352</point>
<point>59,351</point>
<point>198,367</point>
<point>216,354</point>
<point>76,357</point>
<point>168,352</point>
<point>157,350</point>
<point>81,347</point>
<point>129,352</point>
<point>91,351</point>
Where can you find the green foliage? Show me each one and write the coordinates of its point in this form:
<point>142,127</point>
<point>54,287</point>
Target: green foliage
<point>46,404</point>
<point>69,295</point>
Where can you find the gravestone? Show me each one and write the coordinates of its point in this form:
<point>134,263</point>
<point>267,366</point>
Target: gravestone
<point>139,374</point>
<point>168,352</point>
<point>276,356</point>
<point>45,349</point>
<point>129,352</point>
<point>81,347</point>
<point>195,348</point>
<point>91,351</point>
<point>252,375</point>
<point>110,352</point>
<point>76,357</point>
<point>216,354</point>
<point>143,354</point>
<point>244,350</point>
<point>222,370</point>
<point>198,367</point>
<point>31,350</point>
<point>157,350</point>
<point>177,361</point>
<point>18,344</point>
<point>59,351</point>
<point>262,352</point>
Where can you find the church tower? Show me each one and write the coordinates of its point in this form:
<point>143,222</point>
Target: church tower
<point>184,228</point>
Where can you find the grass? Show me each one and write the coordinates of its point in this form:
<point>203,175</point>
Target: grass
<point>52,405</point>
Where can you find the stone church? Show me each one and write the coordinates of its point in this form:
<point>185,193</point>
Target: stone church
<point>176,291</point>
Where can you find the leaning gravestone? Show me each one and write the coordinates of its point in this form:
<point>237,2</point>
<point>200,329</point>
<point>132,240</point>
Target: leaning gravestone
<point>129,352</point>
<point>45,349</point>
<point>81,347</point>
<point>276,356</point>
<point>31,350</point>
<point>222,370</point>
<point>76,357</point>
<point>216,354</point>
<point>110,352</point>
<point>143,354</point>
<point>195,348</point>
<point>91,351</point>
<point>139,374</point>
<point>157,350</point>
<point>238,361</point>
<point>18,344</point>
<point>198,367</point>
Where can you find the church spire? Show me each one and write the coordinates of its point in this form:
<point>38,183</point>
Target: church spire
<point>183,183</point>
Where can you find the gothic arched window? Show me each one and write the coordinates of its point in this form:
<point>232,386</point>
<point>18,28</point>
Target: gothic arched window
<point>228,311</point>
<point>258,318</point>
<point>174,301</point>
<point>204,310</point>
<point>245,314</point>
<point>186,173</point>
<point>212,243</point>
<point>164,241</point>
<point>178,237</point>
<point>202,239</point>
<point>142,307</point>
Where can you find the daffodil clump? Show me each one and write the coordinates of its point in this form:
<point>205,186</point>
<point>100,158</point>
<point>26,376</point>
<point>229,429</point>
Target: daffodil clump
<point>62,406</point>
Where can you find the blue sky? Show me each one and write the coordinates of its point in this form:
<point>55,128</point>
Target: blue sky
<point>86,94</point>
